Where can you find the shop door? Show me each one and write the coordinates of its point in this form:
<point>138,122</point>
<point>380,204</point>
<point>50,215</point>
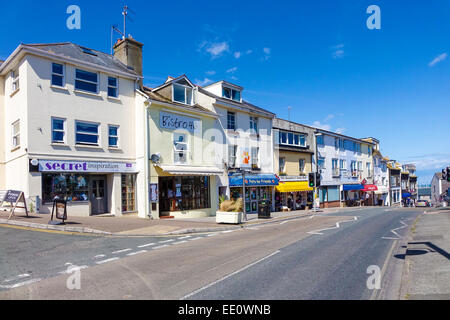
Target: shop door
<point>98,195</point>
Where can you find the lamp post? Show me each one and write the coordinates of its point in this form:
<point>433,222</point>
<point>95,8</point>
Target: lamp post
<point>316,169</point>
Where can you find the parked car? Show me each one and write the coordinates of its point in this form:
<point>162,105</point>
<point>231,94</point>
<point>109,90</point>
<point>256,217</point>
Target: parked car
<point>422,203</point>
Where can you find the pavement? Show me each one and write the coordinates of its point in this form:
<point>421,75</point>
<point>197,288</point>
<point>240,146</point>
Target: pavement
<point>427,257</point>
<point>132,225</point>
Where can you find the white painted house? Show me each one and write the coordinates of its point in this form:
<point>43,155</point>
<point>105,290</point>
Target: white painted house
<point>72,127</point>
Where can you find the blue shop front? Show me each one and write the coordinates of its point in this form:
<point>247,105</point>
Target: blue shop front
<point>258,187</point>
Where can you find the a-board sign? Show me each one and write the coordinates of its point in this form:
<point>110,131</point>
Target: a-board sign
<point>61,211</point>
<point>12,196</point>
<point>2,195</point>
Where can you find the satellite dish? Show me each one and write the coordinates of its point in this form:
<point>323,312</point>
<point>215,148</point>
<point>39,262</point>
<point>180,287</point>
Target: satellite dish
<point>155,158</point>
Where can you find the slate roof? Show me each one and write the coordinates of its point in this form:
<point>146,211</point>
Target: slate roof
<point>74,51</point>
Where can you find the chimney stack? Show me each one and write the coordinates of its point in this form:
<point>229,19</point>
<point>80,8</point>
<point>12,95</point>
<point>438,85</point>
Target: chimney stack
<point>129,52</point>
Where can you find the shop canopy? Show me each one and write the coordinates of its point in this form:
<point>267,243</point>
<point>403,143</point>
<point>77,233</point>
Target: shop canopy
<point>191,170</point>
<point>294,186</point>
<point>370,187</point>
<point>382,189</point>
<point>406,195</point>
<point>254,180</point>
<point>352,187</point>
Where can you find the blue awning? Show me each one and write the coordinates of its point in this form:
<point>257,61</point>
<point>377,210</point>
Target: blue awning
<point>406,195</point>
<point>352,187</point>
<point>254,180</point>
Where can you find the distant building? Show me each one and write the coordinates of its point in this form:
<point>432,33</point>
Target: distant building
<point>439,188</point>
<point>424,193</point>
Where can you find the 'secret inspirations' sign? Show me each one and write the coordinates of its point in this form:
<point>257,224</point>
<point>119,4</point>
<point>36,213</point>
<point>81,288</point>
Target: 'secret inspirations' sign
<point>174,121</point>
<point>85,166</point>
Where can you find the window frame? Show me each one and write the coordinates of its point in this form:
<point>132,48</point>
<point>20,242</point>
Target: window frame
<point>15,80</point>
<point>254,125</point>
<point>232,156</point>
<point>117,146</point>
<point>232,94</point>
<point>14,135</point>
<point>190,103</point>
<point>59,130</point>
<point>87,81</point>
<point>87,133</point>
<point>254,159</point>
<point>62,75</point>
<point>301,165</point>
<point>113,87</point>
<point>282,168</point>
<point>233,114</point>
<point>295,136</point>
<point>185,152</point>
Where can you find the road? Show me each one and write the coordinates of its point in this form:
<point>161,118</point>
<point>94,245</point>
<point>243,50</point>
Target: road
<point>320,257</point>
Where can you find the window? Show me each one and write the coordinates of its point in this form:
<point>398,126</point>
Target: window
<point>254,125</point>
<point>334,165</point>
<point>231,121</point>
<point>181,149</point>
<point>113,87</point>
<point>301,165</point>
<point>282,165</point>
<point>128,193</point>
<point>86,133</point>
<point>336,143</point>
<point>57,75</point>
<point>293,139</point>
<point>369,173</point>
<point>353,168</point>
<point>255,157</point>
<point>58,130</point>
<point>232,150</point>
<point>360,166</point>
<point>15,80</point>
<point>182,94</point>
<point>320,140</point>
<point>113,136</point>
<point>231,94</point>
<point>184,193</point>
<point>321,163</point>
<point>65,186</point>
<point>343,164</point>
<point>341,145</point>
<point>16,134</point>
<point>358,147</point>
<point>86,81</point>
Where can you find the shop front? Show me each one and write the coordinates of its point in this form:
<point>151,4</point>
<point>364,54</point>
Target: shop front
<point>369,194</point>
<point>90,188</point>
<point>295,195</point>
<point>381,196</point>
<point>352,195</point>
<point>258,187</point>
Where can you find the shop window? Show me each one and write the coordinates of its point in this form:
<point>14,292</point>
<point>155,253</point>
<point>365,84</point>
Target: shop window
<point>184,193</point>
<point>128,193</point>
<point>65,186</point>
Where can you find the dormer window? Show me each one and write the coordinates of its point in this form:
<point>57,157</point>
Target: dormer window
<point>182,94</point>
<point>232,94</point>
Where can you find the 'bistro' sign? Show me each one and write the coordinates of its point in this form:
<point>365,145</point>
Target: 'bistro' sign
<point>85,166</point>
<point>174,121</point>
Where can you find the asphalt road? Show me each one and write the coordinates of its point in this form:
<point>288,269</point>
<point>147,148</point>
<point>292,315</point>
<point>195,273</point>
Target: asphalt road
<point>298,259</point>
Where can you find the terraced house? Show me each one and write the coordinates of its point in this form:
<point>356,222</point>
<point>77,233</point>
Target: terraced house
<point>71,128</point>
<point>293,157</point>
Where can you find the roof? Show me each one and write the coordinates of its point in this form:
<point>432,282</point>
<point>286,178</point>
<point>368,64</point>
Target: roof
<point>68,50</point>
<point>158,97</point>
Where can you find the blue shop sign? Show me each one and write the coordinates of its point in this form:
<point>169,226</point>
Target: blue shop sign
<point>352,187</point>
<point>254,180</point>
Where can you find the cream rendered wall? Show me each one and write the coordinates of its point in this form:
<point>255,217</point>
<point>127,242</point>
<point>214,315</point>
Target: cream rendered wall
<point>162,143</point>
<point>366,157</point>
<point>2,130</point>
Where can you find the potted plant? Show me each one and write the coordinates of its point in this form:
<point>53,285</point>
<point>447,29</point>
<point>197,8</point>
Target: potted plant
<point>230,211</point>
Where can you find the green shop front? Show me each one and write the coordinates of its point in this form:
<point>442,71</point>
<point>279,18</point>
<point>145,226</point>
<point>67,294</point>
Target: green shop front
<point>258,187</point>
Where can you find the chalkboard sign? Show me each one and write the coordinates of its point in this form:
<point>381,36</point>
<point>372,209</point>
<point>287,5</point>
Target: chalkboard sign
<point>2,195</point>
<point>12,196</point>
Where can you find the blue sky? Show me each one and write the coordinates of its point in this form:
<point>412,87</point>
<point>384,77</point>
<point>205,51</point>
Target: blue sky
<point>317,57</point>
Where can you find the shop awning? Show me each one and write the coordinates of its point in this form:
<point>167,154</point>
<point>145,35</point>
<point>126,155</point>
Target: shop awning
<point>370,187</point>
<point>406,195</point>
<point>294,186</point>
<point>352,187</point>
<point>382,189</point>
<point>254,180</point>
<point>191,170</point>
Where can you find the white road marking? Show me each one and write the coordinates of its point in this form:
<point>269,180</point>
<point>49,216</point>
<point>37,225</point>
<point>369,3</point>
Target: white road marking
<point>159,247</point>
<point>228,231</point>
<point>166,241</point>
<point>20,276</point>
<point>12,286</point>
<point>146,245</point>
<point>183,241</point>
<point>121,251</point>
<point>73,269</point>
<point>336,227</point>
<point>137,252</point>
<point>107,260</point>
<point>212,235</point>
<point>230,275</point>
<point>100,256</point>
<point>184,237</point>
<point>395,232</point>
<point>195,238</point>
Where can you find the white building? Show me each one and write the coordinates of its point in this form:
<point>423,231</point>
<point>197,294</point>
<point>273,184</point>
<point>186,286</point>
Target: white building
<point>72,127</point>
<point>345,164</point>
<point>439,188</point>
<point>245,141</point>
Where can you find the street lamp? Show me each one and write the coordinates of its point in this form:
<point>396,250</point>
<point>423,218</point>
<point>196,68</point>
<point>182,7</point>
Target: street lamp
<point>316,134</point>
